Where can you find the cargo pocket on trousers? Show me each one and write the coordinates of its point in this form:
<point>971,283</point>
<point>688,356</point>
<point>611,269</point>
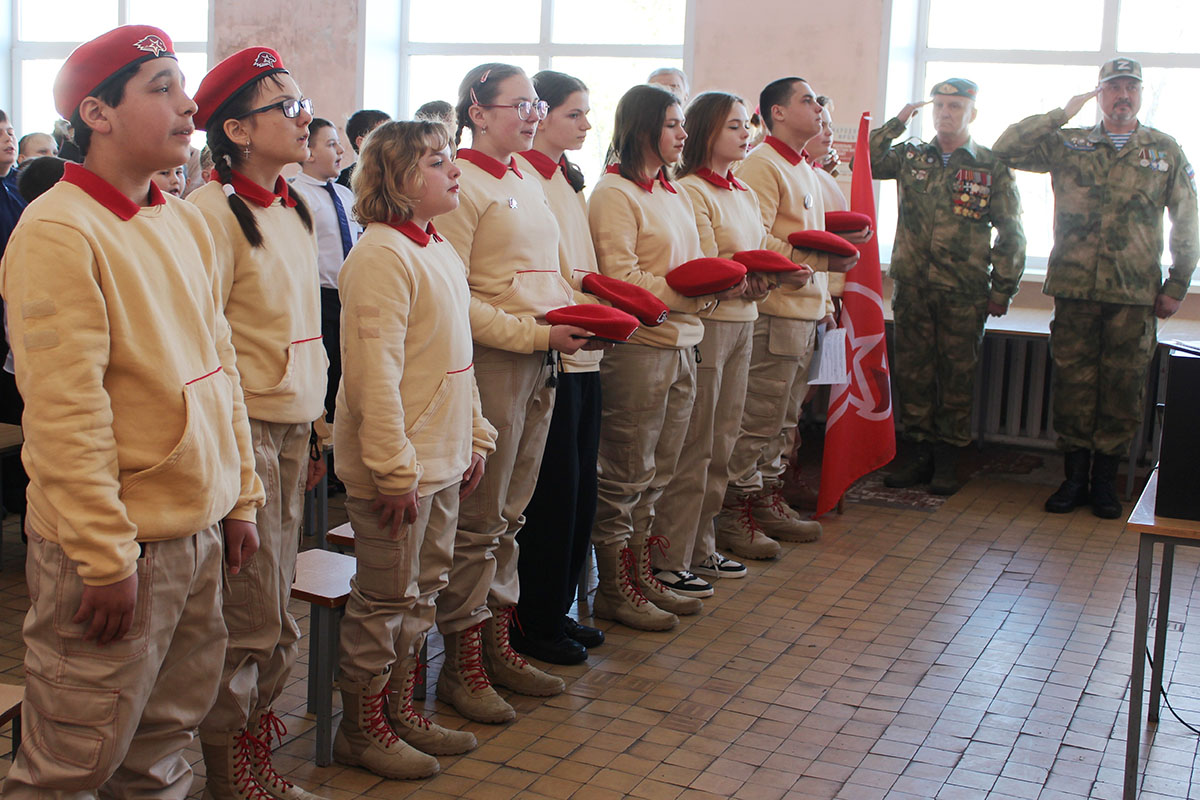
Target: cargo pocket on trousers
<point>70,741</point>
<point>243,599</point>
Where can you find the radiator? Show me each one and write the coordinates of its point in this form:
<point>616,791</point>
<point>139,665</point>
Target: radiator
<point>1012,392</point>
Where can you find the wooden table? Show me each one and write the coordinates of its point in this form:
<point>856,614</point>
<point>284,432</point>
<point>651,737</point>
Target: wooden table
<point>1152,529</point>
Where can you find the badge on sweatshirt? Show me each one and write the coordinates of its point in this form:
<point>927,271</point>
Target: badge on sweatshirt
<point>808,201</point>
<point>512,202</point>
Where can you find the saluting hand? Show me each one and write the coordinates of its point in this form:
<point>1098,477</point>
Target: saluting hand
<point>1076,103</point>
<point>907,112</point>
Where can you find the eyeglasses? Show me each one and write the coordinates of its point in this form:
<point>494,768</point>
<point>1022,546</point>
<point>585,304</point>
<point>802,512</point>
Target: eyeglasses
<point>290,108</point>
<point>525,109</point>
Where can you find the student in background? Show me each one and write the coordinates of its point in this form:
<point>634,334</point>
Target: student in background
<point>437,111</point>
<point>642,227</point>
<point>559,517</point>
<point>673,80</point>
<point>35,145</point>
<point>136,440</point>
<point>506,234</point>
<point>63,138</point>
<point>257,123</point>
<point>171,181</point>
<point>358,126</point>
<point>332,207</point>
<point>411,441</point>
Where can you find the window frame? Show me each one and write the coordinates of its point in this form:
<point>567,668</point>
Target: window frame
<point>22,51</point>
<point>544,49</point>
<point>907,55</point>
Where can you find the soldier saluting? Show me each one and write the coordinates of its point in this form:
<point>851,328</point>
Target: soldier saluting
<point>1111,183</point>
<point>947,273</point>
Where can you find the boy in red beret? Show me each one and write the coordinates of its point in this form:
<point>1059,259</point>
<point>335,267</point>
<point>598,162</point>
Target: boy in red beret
<point>136,441</point>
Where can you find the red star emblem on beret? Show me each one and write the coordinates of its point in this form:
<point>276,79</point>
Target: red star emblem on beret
<point>152,44</point>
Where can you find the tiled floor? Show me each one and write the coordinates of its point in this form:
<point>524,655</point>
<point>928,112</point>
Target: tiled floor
<point>978,651</point>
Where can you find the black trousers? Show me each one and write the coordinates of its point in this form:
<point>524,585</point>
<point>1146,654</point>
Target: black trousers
<point>558,520</point>
<point>331,336</point>
<point>14,478</point>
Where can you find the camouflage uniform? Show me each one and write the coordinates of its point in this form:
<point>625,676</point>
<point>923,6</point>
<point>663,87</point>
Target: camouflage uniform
<point>940,269</point>
<point>1105,269</point>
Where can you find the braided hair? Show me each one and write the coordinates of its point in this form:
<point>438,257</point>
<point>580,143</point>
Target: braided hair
<point>227,155</point>
<point>555,88</point>
<point>479,87</point>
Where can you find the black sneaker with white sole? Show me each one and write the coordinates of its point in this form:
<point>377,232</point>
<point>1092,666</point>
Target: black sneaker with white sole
<point>718,566</point>
<point>684,583</point>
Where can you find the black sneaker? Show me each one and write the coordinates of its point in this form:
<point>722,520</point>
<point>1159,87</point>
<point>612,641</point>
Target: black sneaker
<point>584,634</point>
<point>719,566</point>
<point>684,583</point>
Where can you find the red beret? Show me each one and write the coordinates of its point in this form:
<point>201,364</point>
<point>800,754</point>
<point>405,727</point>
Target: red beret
<point>765,261</point>
<point>822,241</point>
<point>702,276</point>
<point>604,321</point>
<point>846,221</point>
<point>94,62</point>
<point>225,80</point>
<point>628,297</point>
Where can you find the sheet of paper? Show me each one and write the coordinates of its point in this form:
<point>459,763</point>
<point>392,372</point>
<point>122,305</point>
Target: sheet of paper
<point>829,359</point>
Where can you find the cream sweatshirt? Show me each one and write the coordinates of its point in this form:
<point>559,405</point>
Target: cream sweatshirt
<point>135,428</point>
<point>791,200</point>
<point>506,234</point>
<point>641,232</point>
<point>576,256</point>
<point>408,408</point>
<point>271,297</point>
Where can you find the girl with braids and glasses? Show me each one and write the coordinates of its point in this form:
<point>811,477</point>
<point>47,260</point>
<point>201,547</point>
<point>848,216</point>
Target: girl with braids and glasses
<point>558,520</point>
<point>643,227</point>
<point>257,123</point>
<point>507,236</point>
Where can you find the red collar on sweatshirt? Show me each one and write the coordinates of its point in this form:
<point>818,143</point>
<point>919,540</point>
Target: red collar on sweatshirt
<point>252,191</point>
<point>544,164</point>
<point>106,194</point>
<point>488,164</point>
<point>419,236</point>
<point>727,182</point>
<point>786,151</point>
<point>615,169</point>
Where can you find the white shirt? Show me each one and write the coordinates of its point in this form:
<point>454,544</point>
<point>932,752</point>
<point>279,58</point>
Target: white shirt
<point>329,238</point>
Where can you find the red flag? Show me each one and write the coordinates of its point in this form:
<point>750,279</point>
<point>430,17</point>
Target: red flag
<point>859,433</point>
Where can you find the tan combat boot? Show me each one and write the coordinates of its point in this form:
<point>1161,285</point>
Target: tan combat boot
<point>228,768</point>
<point>267,728</point>
<point>464,683</point>
<point>366,739</point>
<point>739,531</point>
<point>785,524</point>
<point>506,667</point>
<point>423,734</point>
<point>618,596</point>
<point>652,588</point>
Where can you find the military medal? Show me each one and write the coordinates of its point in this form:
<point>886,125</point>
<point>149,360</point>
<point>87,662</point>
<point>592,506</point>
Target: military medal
<point>512,202</point>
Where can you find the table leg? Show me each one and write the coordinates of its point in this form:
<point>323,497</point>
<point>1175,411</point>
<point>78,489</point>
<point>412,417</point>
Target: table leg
<point>1160,629</point>
<point>1137,674</point>
<point>323,509</point>
<point>326,620</point>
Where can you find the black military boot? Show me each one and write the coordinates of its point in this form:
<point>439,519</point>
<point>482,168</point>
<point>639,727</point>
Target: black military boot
<point>1105,504</point>
<point>1073,492</point>
<point>945,470</point>
<point>918,468</point>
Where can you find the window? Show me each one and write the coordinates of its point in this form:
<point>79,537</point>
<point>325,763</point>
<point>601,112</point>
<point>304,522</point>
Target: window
<point>419,50</point>
<point>1030,57</point>
<point>45,33</point>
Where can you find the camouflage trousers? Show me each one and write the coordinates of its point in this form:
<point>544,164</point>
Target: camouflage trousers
<point>1101,354</point>
<point>938,337</point>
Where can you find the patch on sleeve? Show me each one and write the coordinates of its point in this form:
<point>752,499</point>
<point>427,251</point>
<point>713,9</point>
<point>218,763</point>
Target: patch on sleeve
<point>1191,173</point>
<point>365,332</point>
<point>45,307</point>
<point>41,340</point>
<point>368,311</point>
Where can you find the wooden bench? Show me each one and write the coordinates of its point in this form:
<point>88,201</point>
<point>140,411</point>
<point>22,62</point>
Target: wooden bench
<point>11,696</point>
<point>323,581</point>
